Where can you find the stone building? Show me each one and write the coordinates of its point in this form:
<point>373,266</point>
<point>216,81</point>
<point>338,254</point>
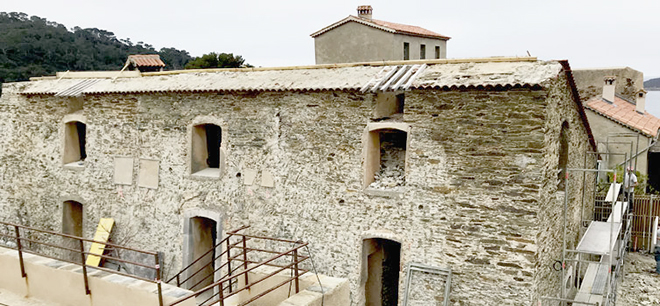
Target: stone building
<point>447,163</point>
<point>590,81</point>
<point>623,126</point>
<point>364,39</point>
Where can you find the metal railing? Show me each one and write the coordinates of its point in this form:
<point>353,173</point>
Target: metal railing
<point>237,265</point>
<point>31,240</point>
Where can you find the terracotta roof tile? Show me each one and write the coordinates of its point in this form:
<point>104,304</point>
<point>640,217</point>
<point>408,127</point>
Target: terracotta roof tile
<point>624,113</point>
<point>385,26</point>
<point>146,60</point>
<point>407,29</point>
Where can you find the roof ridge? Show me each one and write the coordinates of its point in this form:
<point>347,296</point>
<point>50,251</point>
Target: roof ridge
<point>503,59</point>
<point>393,27</point>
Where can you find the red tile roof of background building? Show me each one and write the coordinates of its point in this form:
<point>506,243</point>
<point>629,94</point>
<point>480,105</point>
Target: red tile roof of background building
<point>146,60</point>
<point>623,112</point>
<point>407,29</point>
<point>384,25</point>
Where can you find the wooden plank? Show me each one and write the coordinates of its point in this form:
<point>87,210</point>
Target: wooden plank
<point>102,235</point>
<point>612,192</point>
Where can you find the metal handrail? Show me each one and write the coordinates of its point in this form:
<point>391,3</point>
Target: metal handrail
<point>81,251</point>
<point>219,244</point>
<point>78,238</point>
<point>234,274</point>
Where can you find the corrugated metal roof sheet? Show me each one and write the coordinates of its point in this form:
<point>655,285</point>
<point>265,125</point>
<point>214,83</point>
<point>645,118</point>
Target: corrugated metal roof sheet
<point>388,77</point>
<point>77,89</point>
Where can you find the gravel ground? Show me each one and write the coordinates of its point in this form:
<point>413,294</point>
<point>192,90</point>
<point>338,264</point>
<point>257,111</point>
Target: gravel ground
<point>641,285</point>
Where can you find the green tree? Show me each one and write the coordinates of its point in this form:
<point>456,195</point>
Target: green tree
<point>215,60</point>
<point>34,46</point>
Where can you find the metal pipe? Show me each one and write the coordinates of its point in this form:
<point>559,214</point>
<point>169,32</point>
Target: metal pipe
<point>295,259</point>
<point>563,252</point>
<point>158,282</point>
<point>229,261</point>
<point>650,224</point>
<point>84,266</point>
<point>245,250</point>
<point>20,251</point>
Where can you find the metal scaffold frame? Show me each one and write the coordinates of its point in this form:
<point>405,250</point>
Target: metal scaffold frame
<point>594,267</point>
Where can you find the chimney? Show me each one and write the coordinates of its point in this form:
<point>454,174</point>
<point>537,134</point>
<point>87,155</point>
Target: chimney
<point>608,88</point>
<point>365,11</point>
<point>640,101</point>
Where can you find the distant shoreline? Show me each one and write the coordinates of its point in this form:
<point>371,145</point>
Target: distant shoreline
<point>652,89</point>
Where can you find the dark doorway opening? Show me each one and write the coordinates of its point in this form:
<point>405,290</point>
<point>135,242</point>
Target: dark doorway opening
<point>203,232</point>
<point>653,171</point>
<point>382,259</point>
<point>72,224</point>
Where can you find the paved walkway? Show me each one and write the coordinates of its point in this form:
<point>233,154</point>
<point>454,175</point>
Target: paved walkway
<point>8,298</point>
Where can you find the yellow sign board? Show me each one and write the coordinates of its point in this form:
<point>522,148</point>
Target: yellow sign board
<point>101,237</point>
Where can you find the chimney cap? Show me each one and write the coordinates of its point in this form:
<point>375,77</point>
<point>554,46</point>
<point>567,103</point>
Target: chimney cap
<point>365,11</point>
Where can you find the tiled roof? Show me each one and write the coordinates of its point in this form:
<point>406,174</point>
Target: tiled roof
<point>408,29</point>
<point>623,112</point>
<point>146,60</point>
<point>385,26</point>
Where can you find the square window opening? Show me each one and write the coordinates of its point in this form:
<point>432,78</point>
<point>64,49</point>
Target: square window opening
<point>386,159</point>
<point>422,51</point>
<point>206,146</point>
<point>389,105</point>
<point>75,133</point>
<point>437,52</point>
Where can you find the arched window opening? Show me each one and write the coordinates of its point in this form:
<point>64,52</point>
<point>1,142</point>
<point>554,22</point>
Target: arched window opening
<point>75,133</point>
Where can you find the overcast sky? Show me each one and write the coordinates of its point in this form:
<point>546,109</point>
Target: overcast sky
<point>589,33</point>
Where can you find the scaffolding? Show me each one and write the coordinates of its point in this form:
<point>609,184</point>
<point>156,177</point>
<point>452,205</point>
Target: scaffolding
<point>590,271</point>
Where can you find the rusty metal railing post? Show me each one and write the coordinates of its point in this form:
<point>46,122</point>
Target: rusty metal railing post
<point>221,295</point>
<point>178,283</point>
<point>229,260</point>
<point>295,260</point>
<point>158,282</point>
<point>245,262</point>
<point>84,266</point>
<point>20,251</point>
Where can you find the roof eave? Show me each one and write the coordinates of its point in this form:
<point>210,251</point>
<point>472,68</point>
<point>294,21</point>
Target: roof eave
<point>576,97</point>
<point>632,128</point>
<point>349,19</point>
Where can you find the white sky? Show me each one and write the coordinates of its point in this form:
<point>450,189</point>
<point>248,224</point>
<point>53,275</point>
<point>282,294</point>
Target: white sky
<point>589,33</point>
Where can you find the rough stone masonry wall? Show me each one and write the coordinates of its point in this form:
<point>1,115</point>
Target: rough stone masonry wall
<point>475,170</point>
<point>560,107</point>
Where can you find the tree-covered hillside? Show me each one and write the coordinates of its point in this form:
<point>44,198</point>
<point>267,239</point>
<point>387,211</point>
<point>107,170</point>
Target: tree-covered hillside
<point>653,84</point>
<point>34,46</point>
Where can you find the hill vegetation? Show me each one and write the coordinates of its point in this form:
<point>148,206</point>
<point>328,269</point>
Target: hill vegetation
<point>652,84</point>
<point>32,46</point>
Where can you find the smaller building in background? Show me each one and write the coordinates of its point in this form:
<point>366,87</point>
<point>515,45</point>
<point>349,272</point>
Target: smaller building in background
<point>363,39</point>
<point>590,81</point>
<point>622,125</point>
<point>145,62</point>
